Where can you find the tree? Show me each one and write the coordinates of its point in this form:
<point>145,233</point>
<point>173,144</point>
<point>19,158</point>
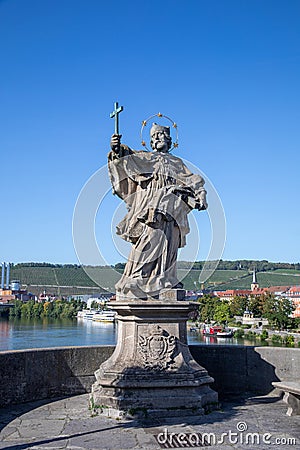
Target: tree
<point>48,308</point>
<point>120,267</point>
<point>94,305</point>
<point>37,310</point>
<point>58,307</point>
<point>256,305</point>
<point>237,305</point>
<point>27,309</point>
<point>16,310</point>
<point>222,312</point>
<point>207,305</point>
<point>278,311</point>
<point>68,311</point>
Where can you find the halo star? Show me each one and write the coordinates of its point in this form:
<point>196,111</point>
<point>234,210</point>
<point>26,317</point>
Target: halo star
<point>174,125</point>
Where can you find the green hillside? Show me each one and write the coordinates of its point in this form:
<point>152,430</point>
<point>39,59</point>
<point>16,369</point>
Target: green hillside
<point>33,275</point>
<point>217,278</point>
<point>264,280</point>
<point>220,280</point>
<point>52,276</point>
<point>65,279</point>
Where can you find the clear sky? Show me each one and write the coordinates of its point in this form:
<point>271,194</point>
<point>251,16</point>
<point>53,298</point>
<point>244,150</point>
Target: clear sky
<point>226,71</point>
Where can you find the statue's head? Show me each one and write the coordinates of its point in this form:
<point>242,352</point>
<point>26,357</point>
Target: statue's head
<point>161,140</point>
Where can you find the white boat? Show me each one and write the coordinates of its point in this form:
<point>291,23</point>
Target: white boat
<point>224,334</point>
<point>89,315</point>
<point>86,314</point>
<point>105,316</point>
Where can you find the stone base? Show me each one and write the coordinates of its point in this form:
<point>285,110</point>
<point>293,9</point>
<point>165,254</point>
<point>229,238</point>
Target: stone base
<point>148,413</point>
<point>153,402</point>
<point>170,295</point>
<point>152,370</point>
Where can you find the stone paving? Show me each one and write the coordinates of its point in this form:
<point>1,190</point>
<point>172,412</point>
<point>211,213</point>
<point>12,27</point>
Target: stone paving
<point>256,422</point>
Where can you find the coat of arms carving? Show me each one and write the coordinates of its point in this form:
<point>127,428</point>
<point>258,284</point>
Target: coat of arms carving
<point>157,349</point>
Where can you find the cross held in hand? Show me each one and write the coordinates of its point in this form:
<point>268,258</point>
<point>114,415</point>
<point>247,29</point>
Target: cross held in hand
<point>115,114</point>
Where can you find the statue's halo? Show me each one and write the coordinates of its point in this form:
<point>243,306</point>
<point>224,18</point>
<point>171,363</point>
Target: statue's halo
<point>174,125</point>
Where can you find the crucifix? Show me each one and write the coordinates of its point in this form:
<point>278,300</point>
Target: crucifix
<point>115,114</point>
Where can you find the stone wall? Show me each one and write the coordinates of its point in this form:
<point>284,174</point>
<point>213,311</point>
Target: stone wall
<point>239,369</point>
<point>28,375</point>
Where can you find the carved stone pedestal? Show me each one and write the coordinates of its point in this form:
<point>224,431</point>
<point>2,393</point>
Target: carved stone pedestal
<point>152,371</point>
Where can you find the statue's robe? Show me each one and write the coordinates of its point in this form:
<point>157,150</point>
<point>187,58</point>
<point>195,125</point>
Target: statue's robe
<point>159,192</point>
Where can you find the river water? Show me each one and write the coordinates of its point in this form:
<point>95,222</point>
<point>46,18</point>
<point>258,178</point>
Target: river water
<point>25,334</point>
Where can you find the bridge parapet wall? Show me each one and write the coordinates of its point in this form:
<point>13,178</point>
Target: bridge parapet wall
<point>28,375</point>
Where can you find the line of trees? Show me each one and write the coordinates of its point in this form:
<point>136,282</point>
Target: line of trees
<point>242,264</point>
<point>278,311</point>
<point>245,264</point>
<point>44,264</point>
<point>58,309</point>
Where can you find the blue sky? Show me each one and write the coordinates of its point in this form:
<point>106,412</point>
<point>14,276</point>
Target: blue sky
<point>226,71</point>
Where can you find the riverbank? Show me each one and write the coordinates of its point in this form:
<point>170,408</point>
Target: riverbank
<point>255,336</point>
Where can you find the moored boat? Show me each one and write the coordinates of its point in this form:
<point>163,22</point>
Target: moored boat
<point>86,314</point>
<point>105,316</point>
<point>217,331</point>
<point>224,334</point>
<point>211,330</point>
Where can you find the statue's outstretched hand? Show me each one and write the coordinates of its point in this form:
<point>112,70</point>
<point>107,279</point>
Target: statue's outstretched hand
<point>115,142</point>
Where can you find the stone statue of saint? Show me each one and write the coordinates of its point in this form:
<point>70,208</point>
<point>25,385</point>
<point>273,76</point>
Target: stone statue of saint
<point>159,192</point>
